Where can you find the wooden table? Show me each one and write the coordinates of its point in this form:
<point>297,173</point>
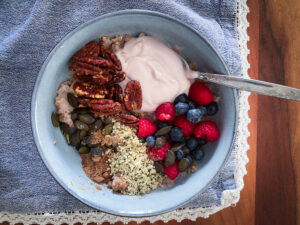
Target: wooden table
<point>272,183</point>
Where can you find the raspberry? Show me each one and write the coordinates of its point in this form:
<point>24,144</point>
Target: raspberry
<point>200,94</point>
<point>157,154</point>
<point>146,128</point>
<point>165,112</point>
<point>207,130</point>
<point>172,171</point>
<point>185,125</point>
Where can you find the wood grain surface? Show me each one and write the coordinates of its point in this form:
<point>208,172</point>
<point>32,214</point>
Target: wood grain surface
<point>272,185</point>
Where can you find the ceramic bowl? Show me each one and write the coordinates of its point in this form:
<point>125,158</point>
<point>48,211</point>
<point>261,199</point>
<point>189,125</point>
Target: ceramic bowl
<point>64,162</point>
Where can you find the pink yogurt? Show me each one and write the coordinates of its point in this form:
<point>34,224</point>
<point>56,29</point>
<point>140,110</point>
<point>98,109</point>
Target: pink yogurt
<point>158,68</point>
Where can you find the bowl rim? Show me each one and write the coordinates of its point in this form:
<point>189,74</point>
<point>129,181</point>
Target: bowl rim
<point>38,80</point>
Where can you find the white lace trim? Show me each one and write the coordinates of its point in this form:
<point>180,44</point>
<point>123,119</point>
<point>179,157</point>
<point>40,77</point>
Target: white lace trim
<point>229,197</point>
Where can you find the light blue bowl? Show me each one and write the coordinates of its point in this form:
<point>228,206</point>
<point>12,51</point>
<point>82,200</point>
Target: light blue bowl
<point>64,162</point>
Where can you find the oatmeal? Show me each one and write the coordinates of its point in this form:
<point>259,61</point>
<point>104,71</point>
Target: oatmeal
<point>135,113</point>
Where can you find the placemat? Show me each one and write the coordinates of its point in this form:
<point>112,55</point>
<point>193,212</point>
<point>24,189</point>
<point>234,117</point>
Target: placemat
<point>25,43</point>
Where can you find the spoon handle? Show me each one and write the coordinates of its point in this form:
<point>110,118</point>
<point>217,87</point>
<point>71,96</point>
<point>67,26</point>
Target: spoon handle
<point>257,86</point>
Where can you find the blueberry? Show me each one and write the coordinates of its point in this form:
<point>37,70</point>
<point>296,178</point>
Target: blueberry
<point>150,141</point>
<point>180,153</point>
<point>192,105</point>
<point>194,115</point>
<point>203,110</point>
<point>181,108</point>
<point>198,154</point>
<point>190,160</point>
<point>201,141</point>
<point>181,98</point>
<point>192,143</point>
<point>176,134</point>
<point>161,124</point>
<point>212,108</point>
<point>95,151</point>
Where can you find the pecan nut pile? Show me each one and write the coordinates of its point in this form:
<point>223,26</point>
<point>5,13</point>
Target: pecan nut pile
<point>98,72</point>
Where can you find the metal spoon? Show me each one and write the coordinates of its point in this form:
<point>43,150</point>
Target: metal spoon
<point>257,86</point>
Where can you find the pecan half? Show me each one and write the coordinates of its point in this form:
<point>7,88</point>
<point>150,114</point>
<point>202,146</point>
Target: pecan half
<point>101,79</point>
<point>118,95</point>
<point>86,68</point>
<point>104,107</point>
<point>89,90</point>
<point>108,54</point>
<point>82,77</point>
<point>128,120</point>
<point>90,49</point>
<point>133,95</point>
<point>117,78</point>
<point>111,92</point>
<point>98,61</point>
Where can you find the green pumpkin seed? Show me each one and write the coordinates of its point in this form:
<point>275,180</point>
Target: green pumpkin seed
<point>170,158</point>
<point>160,141</point>
<point>68,138</point>
<point>86,118</point>
<point>107,120</point>
<point>183,164</point>
<point>107,130</point>
<point>82,134</point>
<point>163,131</point>
<point>186,150</point>
<point>159,167</point>
<point>87,140</point>
<point>72,100</point>
<point>66,129</point>
<point>75,138</point>
<point>84,150</point>
<point>80,110</point>
<point>97,125</point>
<point>74,116</point>
<point>81,126</point>
<point>55,119</point>
<point>176,146</point>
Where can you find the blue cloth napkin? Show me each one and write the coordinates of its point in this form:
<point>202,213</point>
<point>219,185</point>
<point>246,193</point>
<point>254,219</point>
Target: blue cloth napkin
<point>29,30</point>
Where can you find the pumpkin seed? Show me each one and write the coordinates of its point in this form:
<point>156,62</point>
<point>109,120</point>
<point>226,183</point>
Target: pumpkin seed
<point>82,134</point>
<point>81,126</point>
<point>74,115</point>
<point>163,131</point>
<point>67,138</point>
<point>159,167</point>
<point>160,141</point>
<point>170,158</point>
<point>87,140</point>
<point>183,164</point>
<point>75,138</point>
<point>186,150</point>
<point>72,100</point>
<point>176,146</point>
<point>55,119</point>
<point>80,110</point>
<point>97,125</point>
<point>67,129</point>
<point>107,120</point>
<point>86,118</point>
<point>107,129</point>
<point>84,150</point>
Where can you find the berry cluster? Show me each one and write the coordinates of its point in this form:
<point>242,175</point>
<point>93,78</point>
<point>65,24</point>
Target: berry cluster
<point>177,137</point>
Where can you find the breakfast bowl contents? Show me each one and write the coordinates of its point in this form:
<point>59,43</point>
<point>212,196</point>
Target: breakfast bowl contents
<point>127,140</point>
<point>136,115</point>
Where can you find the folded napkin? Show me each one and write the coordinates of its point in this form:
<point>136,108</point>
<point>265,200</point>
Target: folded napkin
<point>29,30</point>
